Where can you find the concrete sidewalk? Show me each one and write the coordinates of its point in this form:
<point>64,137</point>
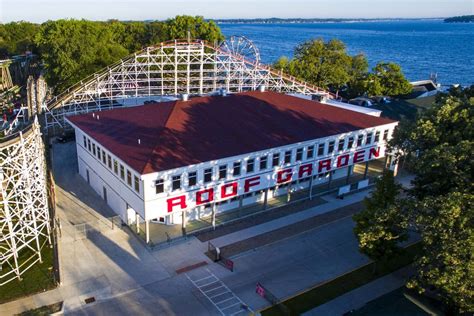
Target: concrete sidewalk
<point>357,298</point>
<point>334,203</point>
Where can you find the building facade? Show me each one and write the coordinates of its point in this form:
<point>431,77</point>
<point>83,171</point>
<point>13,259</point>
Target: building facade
<point>180,176</point>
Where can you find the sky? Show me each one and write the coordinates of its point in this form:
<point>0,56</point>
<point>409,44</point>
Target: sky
<point>43,10</point>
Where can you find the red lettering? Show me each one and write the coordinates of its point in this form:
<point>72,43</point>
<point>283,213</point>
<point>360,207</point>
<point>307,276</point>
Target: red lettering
<point>324,164</point>
<point>199,196</point>
<point>308,169</point>
<point>251,182</point>
<point>374,152</point>
<point>225,194</point>
<point>176,201</point>
<point>340,162</point>
<point>284,175</point>
<point>359,156</point>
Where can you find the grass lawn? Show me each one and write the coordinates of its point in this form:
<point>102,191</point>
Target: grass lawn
<point>38,278</point>
<point>345,283</point>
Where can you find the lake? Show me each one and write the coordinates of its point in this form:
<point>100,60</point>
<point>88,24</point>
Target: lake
<point>421,47</point>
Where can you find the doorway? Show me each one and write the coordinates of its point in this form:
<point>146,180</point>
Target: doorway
<point>104,190</point>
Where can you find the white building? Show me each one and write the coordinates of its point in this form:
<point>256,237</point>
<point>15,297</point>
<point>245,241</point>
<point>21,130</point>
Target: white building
<point>170,161</point>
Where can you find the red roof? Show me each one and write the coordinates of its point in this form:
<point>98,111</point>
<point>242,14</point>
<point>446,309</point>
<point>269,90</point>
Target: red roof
<point>180,133</point>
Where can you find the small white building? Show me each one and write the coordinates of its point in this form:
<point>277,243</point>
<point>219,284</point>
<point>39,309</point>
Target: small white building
<point>179,161</point>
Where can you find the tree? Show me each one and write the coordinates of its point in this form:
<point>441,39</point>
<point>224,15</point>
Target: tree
<point>439,146</point>
<point>72,49</point>
<point>380,227</point>
<point>440,203</point>
<point>391,80</point>
<point>446,267</point>
<point>325,64</point>
<point>198,28</point>
<point>17,38</point>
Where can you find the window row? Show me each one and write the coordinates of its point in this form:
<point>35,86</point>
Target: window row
<point>275,160</point>
<point>112,164</point>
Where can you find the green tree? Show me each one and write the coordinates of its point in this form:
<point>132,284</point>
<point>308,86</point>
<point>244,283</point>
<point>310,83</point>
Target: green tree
<point>17,38</point>
<point>440,203</point>
<point>72,49</point>
<point>380,227</point>
<point>446,267</point>
<point>198,28</point>
<point>439,146</point>
<point>325,64</point>
<point>391,80</point>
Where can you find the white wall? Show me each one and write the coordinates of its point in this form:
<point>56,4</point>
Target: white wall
<point>119,194</point>
<point>156,204</point>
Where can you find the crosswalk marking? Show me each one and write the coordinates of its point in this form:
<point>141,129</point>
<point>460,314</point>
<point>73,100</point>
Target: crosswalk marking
<point>226,302</point>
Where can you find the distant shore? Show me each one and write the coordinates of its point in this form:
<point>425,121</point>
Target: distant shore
<point>317,20</point>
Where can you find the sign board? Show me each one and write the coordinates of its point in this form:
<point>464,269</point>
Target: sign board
<point>344,190</point>
<point>363,184</point>
<point>260,290</point>
<point>229,264</point>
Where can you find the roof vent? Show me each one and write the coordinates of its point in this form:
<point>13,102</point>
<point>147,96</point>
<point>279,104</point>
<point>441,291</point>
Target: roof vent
<point>185,97</point>
<point>261,88</point>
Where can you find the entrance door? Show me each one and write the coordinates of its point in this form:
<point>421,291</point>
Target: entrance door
<point>104,189</point>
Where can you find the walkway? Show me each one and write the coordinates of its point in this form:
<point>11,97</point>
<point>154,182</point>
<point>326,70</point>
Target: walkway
<point>334,203</point>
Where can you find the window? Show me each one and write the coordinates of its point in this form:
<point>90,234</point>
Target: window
<point>250,165</point>
<point>385,134</point>
<point>331,147</point>
<point>310,152</point>
<point>192,178</point>
<point>122,172</point>
<point>129,178</point>
<point>263,162</point>
<point>98,152</point>
<point>299,154</point>
<point>340,145</point>
<point>288,156</point>
<point>109,161</point>
<point>176,183</point>
<point>207,175</point>
<point>359,140</point>
<point>321,149</point>
<point>350,143</point>
<point>89,144</point>
<point>137,183</point>
<point>368,141</point>
<point>276,159</point>
<point>104,158</point>
<point>222,172</point>
<point>236,169</point>
<point>115,166</point>
<point>93,149</point>
<point>159,186</point>
<point>377,136</point>
<point>85,141</point>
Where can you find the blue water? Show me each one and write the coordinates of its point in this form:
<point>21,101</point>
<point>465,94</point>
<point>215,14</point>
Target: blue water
<point>421,47</point>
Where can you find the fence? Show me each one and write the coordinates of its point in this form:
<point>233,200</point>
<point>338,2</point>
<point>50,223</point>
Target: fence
<point>85,230</point>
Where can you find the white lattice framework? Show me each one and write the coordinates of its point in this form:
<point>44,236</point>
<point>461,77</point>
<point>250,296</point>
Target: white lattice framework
<point>171,69</point>
<point>24,213</point>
